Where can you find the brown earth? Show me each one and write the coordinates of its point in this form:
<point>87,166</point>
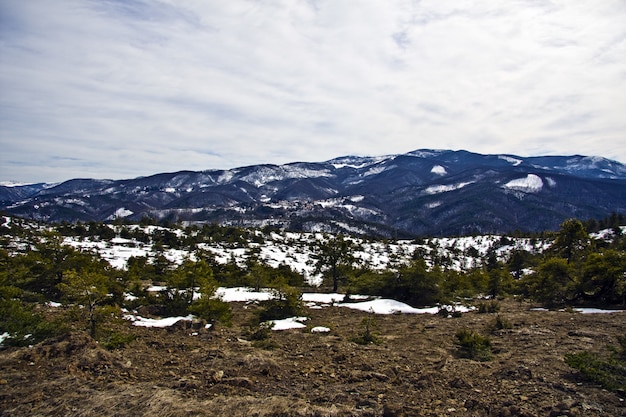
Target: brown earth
<point>415,371</point>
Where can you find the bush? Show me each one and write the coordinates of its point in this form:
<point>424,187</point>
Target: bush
<point>609,373</point>
<point>472,345</point>
<point>261,336</point>
<point>287,302</point>
<point>502,323</point>
<point>369,333</point>
<point>23,325</point>
<point>492,306</point>
<point>211,310</point>
<point>262,332</point>
<point>112,339</point>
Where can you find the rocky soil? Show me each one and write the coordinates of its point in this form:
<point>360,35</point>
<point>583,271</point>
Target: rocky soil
<point>415,371</point>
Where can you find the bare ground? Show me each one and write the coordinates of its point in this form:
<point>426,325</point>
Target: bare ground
<point>415,371</point>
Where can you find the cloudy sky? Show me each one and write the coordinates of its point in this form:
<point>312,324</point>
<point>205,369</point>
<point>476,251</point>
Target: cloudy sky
<point>125,88</point>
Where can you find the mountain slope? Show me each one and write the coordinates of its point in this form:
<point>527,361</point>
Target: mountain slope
<point>435,192</point>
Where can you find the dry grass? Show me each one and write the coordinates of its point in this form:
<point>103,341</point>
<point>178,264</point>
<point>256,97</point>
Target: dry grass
<point>415,371</point>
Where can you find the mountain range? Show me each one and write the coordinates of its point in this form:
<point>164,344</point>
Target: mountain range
<point>424,192</point>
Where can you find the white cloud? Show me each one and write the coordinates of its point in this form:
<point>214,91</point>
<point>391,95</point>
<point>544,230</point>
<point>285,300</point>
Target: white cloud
<point>114,89</point>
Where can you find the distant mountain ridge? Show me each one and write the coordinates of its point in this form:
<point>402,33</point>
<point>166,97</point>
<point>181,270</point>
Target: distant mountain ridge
<point>424,192</point>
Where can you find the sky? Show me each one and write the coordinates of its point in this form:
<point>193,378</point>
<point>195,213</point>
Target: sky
<point>126,88</point>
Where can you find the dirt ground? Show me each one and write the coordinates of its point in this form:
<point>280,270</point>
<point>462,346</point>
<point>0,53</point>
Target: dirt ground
<point>415,371</point>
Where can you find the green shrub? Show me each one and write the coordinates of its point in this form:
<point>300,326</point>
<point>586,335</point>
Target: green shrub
<point>472,345</point>
<point>212,309</point>
<point>502,323</point>
<point>609,373</point>
<point>24,325</point>
<point>492,306</point>
<point>262,332</point>
<point>112,339</point>
<point>261,336</point>
<point>369,332</point>
<point>287,302</point>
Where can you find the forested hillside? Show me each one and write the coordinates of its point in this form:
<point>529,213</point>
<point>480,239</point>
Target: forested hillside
<point>424,192</point>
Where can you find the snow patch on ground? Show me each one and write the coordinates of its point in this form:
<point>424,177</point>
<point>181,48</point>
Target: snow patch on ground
<point>289,323</point>
<point>242,295</point>
<point>583,310</point>
<point>320,329</point>
<point>164,322</point>
<point>586,310</point>
<point>388,306</point>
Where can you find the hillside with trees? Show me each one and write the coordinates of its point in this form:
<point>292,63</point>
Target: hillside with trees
<point>84,284</point>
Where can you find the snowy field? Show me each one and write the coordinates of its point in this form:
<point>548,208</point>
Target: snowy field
<point>312,300</point>
<point>321,300</point>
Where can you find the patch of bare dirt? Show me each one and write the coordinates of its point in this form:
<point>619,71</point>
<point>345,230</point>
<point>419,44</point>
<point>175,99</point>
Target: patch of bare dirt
<point>415,371</point>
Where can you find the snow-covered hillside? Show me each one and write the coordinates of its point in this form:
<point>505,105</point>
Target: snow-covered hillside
<point>276,248</point>
<point>294,250</point>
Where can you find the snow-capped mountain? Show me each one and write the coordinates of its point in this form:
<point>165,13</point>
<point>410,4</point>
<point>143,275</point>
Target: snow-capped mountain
<point>434,192</point>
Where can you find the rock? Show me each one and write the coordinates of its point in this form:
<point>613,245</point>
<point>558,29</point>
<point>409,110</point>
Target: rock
<point>216,376</point>
<point>242,382</point>
<point>366,403</point>
<point>392,410</point>
<point>188,384</point>
<point>460,383</point>
<point>379,376</point>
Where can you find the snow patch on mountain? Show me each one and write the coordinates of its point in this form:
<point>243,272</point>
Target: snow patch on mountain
<point>377,170</point>
<point>120,213</point>
<point>426,153</point>
<point>14,184</point>
<point>530,184</point>
<point>225,177</point>
<point>266,175</point>
<point>444,188</point>
<point>356,161</point>
<point>343,203</point>
<point>511,160</point>
<point>439,170</point>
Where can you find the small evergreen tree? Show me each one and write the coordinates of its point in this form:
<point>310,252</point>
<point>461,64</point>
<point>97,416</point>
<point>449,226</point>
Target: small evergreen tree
<point>334,257</point>
<point>604,277</point>
<point>90,290</point>
<point>554,282</point>
<point>572,242</point>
